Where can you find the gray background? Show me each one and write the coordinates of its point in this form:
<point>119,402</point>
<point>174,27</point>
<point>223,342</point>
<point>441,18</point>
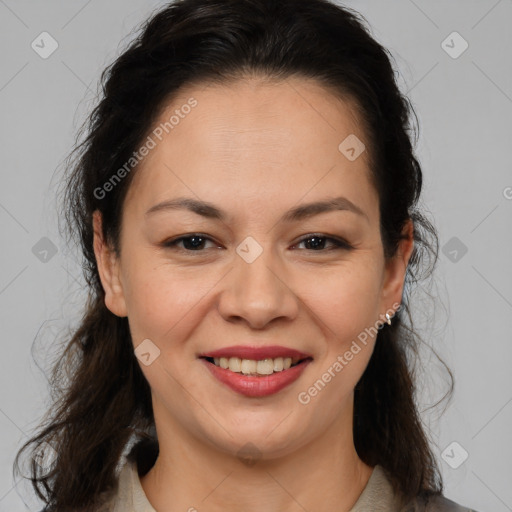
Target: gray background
<point>464,106</point>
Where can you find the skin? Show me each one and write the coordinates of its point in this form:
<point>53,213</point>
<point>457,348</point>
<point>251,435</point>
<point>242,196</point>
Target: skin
<point>255,149</point>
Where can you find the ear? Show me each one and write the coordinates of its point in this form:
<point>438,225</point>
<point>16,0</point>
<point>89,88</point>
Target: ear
<point>109,270</point>
<point>394,273</point>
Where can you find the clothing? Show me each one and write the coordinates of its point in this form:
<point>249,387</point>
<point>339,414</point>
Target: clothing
<point>377,496</point>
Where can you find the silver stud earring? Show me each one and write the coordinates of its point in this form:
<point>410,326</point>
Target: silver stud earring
<point>388,319</point>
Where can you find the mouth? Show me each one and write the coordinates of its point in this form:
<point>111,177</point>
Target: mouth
<point>256,378</point>
<point>256,372</point>
<point>257,367</point>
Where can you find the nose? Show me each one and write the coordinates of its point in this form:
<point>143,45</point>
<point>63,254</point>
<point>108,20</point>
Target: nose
<point>257,293</point>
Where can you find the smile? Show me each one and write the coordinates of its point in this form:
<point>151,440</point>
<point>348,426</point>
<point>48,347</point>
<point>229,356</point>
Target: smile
<point>256,378</point>
<point>266,366</point>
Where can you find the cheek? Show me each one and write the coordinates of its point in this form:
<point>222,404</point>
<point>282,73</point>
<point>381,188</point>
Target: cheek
<point>346,310</point>
<point>346,300</point>
<point>160,299</point>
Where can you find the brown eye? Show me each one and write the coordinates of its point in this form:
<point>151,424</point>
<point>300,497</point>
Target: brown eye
<point>316,242</point>
<point>193,242</point>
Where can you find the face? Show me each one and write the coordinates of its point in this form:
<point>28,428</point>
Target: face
<point>246,272</point>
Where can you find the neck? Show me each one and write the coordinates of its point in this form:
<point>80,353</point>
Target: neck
<point>324,475</point>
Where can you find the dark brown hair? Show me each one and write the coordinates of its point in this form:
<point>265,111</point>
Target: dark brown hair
<point>105,404</point>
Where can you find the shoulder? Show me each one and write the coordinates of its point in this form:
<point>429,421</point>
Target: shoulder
<point>436,504</point>
<point>442,504</point>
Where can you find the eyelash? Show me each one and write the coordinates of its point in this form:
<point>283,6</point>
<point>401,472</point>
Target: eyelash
<point>339,243</point>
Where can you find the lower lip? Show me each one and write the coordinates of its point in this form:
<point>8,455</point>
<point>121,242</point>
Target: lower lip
<point>252,386</point>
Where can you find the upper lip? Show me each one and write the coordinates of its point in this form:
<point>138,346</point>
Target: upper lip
<point>256,353</point>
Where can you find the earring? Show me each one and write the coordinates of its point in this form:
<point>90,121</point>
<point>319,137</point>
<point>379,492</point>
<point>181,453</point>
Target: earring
<point>388,319</point>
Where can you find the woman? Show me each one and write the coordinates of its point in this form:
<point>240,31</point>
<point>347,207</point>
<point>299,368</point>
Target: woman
<point>246,205</point>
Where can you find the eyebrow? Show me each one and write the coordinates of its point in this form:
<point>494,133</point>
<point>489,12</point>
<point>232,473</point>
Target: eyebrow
<point>301,212</point>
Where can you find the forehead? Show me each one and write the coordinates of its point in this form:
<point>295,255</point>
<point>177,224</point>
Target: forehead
<point>254,138</point>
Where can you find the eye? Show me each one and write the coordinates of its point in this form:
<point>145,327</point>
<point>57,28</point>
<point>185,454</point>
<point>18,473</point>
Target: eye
<point>316,242</point>
<point>193,242</point>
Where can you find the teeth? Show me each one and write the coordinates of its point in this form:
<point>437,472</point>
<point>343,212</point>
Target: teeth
<point>278,364</point>
<point>248,366</point>
<point>265,367</point>
<point>253,367</point>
